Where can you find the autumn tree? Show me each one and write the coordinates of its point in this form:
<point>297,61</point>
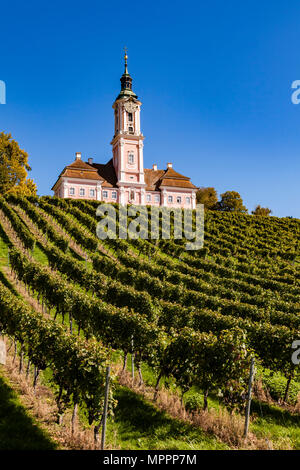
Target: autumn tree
<point>208,197</point>
<point>262,211</point>
<point>231,201</point>
<point>13,168</point>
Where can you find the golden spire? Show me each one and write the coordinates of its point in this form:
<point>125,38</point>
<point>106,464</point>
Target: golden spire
<point>125,58</point>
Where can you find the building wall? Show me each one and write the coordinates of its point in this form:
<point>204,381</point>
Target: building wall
<point>107,194</point>
<point>186,199</point>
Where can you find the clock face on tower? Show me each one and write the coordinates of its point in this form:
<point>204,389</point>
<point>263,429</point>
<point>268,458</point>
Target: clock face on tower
<point>130,107</point>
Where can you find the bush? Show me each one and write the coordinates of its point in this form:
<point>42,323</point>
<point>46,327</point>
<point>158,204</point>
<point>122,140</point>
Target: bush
<point>194,402</point>
<point>275,383</point>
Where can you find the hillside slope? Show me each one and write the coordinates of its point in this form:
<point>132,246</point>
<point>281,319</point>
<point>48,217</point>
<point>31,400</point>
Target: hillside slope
<point>186,314</point>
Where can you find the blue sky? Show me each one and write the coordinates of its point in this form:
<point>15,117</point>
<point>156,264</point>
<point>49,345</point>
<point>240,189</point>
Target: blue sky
<point>214,78</point>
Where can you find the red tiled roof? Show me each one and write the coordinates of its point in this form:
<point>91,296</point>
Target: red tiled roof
<point>176,183</point>
<point>79,164</point>
<point>90,175</point>
<point>170,173</point>
<point>154,179</point>
<point>79,170</point>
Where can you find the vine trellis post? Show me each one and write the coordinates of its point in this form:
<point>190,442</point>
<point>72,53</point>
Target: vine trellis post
<point>132,359</point>
<point>105,407</point>
<point>248,406</point>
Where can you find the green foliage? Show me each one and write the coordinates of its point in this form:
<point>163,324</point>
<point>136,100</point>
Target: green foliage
<point>231,201</point>
<point>241,291</point>
<point>41,222</point>
<point>193,402</point>
<point>275,383</point>
<point>114,326</point>
<point>262,211</point>
<point>27,239</point>
<point>209,362</point>
<point>78,366</point>
<point>208,197</point>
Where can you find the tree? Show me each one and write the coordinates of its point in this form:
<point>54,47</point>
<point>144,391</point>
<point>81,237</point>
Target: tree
<point>208,197</point>
<point>13,168</point>
<point>263,211</point>
<point>231,201</point>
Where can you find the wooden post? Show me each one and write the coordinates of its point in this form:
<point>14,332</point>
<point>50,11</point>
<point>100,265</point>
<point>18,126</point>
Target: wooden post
<point>36,375</point>
<point>27,368</point>
<point>105,408</point>
<point>247,416</point>
<point>73,421</point>
<point>132,360</point>
<point>286,393</point>
<point>2,350</point>
<point>21,358</point>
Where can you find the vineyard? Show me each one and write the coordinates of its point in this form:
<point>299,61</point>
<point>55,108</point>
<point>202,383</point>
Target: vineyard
<point>193,320</point>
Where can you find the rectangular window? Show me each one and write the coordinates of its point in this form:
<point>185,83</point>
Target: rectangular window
<point>92,193</point>
<point>188,200</point>
<point>130,117</point>
<point>170,198</point>
<point>71,191</point>
<point>178,199</point>
<point>156,198</point>
<point>114,195</point>
<point>105,194</point>
<point>148,197</point>
<point>131,158</point>
<point>81,192</point>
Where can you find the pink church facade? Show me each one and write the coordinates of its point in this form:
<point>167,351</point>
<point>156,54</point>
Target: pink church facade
<point>124,179</point>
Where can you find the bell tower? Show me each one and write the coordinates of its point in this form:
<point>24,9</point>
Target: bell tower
<point>127,142</point>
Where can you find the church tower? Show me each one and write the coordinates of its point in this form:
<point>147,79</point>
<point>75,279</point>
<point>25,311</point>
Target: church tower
<point>127,143</point>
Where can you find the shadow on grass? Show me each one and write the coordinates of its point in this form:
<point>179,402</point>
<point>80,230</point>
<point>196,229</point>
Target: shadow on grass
<point>144,426</point>
<point>17,429</point>
<point>275,414</point>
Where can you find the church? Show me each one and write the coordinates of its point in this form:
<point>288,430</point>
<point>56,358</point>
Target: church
<point>124,179</point>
